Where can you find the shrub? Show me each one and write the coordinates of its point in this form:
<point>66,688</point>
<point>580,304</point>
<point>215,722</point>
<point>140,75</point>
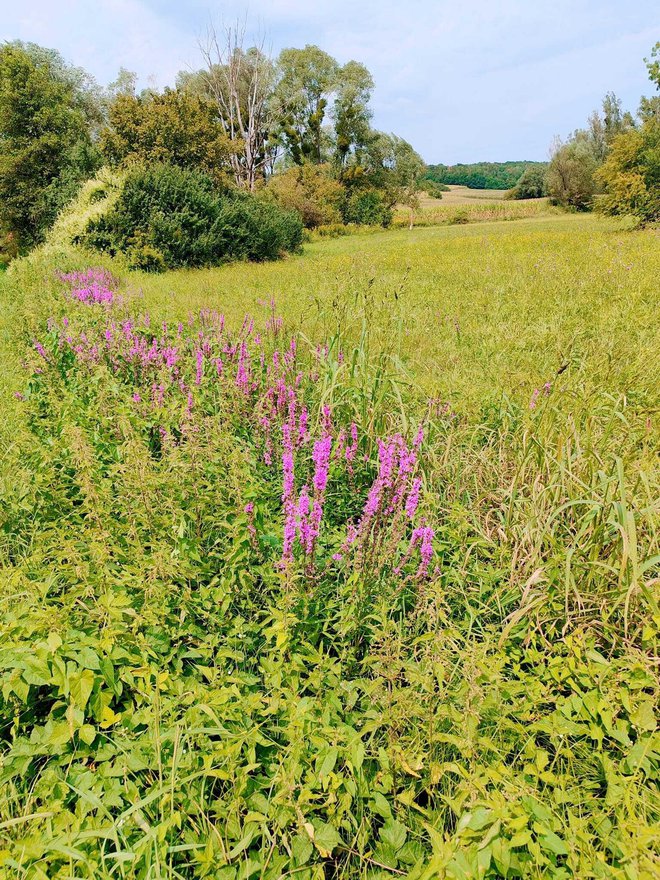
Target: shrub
<point>367,208</point>
<point>435,189</point>
<point>458,217</point>
<point>311,191</point>
<point>168,217</point>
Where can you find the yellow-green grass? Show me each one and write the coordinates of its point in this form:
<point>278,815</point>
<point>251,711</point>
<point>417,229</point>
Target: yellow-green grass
<point>513,705</point>
<point>473,311</point>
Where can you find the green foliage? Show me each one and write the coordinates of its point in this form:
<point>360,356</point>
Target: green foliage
<point>367,208</point>
<point>352,114</point>
<point>482,175</point>
<point>653,65</point>
<point>434,189</point>
<point>570,177</point>
<point>173,706</point>
<point>532,184</point>
<point>307,78</point>
<point>173,217</point>
<point>309,189</point>
<point>47,111</point>
<point>631,175</point>
<point>174,128</point>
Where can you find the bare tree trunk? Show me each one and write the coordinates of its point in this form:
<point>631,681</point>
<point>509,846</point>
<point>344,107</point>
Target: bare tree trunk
<point>240,82</point>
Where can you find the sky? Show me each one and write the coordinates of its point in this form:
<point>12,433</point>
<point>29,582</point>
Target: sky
<point>462,80</point>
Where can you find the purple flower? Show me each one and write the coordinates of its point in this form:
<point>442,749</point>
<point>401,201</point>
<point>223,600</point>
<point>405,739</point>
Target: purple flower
<point>321,457</point>
<point>40,349</point>
<point>199,357</point>
<point>413,498</point>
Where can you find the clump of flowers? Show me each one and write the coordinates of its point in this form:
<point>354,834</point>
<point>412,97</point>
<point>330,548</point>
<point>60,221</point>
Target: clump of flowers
<point>177,375</point>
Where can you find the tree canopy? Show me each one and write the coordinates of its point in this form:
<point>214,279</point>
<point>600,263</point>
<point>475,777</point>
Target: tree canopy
<point>49,115</point>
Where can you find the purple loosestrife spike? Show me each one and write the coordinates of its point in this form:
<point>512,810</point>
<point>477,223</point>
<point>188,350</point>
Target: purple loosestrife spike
<point>302,520</point>
<point>413,498</point>
<point>321,458</point>
<point>426,551</point>
<point>199,358</point>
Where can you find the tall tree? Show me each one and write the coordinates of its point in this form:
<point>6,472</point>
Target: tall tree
<point>351,112</point>
<point>49,115</point>
<point>240,80</point>
<point>407,170</point>
<point>307,78</point>
<point>175,127</point>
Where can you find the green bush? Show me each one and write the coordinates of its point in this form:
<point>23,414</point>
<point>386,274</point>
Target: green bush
<point>434,189</point>
<point>169,217</point>
<point>532,184</point>
<point>367,208</point>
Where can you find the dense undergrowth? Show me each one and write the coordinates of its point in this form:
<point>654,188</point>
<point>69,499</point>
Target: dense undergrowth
<point>270,612</point>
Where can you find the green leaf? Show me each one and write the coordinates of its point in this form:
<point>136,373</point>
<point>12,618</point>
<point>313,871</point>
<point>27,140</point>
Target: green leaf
<point>81,686</point>
<point>393,834</point>
<point>553,843</point>
<point>644,717</point>
<point>326,838</point>
<point>301,848</point>
<point>381,805</point>
<point>328,763</point>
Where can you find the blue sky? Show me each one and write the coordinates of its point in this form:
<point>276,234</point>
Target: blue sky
<point>462,81</point>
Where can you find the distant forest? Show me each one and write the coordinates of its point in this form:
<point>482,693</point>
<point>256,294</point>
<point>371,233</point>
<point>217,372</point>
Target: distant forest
<point>482,175</point>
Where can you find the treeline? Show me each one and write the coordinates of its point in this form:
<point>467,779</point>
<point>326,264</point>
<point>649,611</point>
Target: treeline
<point>482,175</point>
<point>613,164</point>
<point>252,137</point>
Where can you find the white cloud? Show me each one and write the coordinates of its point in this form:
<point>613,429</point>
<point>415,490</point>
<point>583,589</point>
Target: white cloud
<point>467,80</point>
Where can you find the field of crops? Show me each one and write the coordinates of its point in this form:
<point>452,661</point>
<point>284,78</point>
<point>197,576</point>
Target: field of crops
<point>459,209</point>
<point>339,567</point>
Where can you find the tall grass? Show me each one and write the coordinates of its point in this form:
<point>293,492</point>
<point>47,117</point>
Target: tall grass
<point>177,703</point>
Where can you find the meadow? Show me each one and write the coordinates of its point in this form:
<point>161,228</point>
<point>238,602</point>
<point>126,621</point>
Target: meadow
<point>344,566</point>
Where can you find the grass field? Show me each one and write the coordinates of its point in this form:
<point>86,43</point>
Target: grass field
<point>452,674</point>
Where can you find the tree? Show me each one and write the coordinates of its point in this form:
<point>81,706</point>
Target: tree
<point>532,184</point>
<point>307,78</point>
<point>175,127</point>
<point>570,176</point>
<point>310,190</point>
<point>407,169</point>
<point>631,172</point>
<point>240,81</point>
<point>351,113</point>
<point>653,65</point>
<point>631,175</point>
<point>49,113</point>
